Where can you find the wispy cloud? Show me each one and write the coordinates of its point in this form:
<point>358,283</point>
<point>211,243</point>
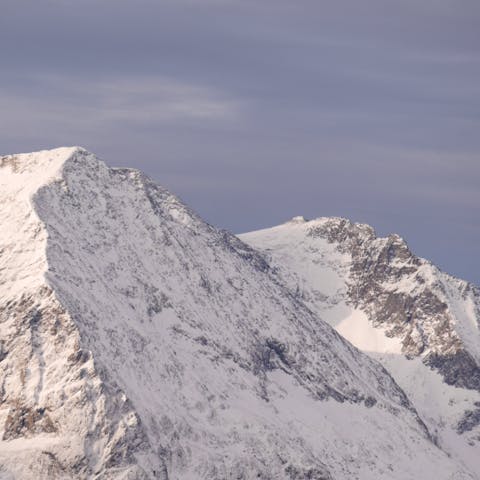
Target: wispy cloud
<point>132,100</point>
<point>160,99</point>
<point>255,111</point>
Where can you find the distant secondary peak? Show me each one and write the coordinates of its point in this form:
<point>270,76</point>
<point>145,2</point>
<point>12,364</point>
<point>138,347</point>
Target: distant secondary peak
<point>298,219</point>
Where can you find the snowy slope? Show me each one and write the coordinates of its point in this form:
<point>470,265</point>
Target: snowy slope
<point>420,323</point>
<point>137,341</point>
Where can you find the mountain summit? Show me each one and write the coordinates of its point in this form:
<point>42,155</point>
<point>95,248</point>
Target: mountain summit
<point>139,342</point>
<point>420,323</point>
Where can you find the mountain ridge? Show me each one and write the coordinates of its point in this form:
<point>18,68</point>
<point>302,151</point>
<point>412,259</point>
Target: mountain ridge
<point>137,341</point>
<point>392,305</point>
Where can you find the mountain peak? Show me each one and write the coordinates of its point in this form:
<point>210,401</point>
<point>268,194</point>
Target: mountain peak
<point>422,324</point>
<point>40,160</point>
<point>137,341</point>
<point>25,173</point>
<point>298,219</point>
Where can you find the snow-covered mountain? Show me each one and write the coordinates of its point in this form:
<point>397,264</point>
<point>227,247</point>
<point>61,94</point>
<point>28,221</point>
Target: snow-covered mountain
<point>139,342</point>
<point>420,323</point>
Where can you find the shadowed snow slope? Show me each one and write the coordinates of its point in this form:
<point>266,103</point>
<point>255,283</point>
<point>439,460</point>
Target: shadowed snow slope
<point>138,342</point>
<point>421,323</point>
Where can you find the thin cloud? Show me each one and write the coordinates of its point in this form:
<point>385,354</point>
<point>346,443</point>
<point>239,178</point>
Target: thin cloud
<point>133,100</point>
<point>256,111</point>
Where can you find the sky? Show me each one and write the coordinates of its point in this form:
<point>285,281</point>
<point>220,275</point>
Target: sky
<point>257,111</point>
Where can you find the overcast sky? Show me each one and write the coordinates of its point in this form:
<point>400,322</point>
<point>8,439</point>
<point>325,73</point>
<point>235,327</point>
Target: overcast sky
<point>256,111</point>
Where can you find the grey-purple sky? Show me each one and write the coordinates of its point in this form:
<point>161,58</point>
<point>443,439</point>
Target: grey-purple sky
<point>256,111</point>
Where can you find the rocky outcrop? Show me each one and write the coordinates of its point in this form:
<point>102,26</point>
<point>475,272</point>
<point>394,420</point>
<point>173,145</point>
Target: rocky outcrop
<point>400,293</point>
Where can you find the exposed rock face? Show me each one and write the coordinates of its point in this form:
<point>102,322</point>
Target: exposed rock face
<point>406,295</point>
<point>54,398</point>
<point>139,342</point>
<point>415,312</point>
